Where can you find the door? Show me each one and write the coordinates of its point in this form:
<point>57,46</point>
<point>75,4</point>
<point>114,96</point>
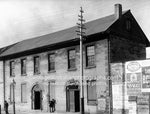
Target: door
<point>73,100</point>
<point>36,97</point>
<point>77,101</point>
<point>37,100</point>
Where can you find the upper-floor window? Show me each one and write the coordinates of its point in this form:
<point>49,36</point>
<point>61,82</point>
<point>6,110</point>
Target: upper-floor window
<point>36,64</point>
<point>51,62</point>
<point>23,93</point>
<point>71,59</point>
<point>90,55</point>
<point>23,66</point>
<point>12,68</point>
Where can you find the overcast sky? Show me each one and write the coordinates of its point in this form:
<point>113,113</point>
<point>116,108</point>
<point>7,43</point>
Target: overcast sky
<point>24,19</point>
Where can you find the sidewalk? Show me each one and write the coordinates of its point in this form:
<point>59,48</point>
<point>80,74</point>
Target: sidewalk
<point>40,112</point>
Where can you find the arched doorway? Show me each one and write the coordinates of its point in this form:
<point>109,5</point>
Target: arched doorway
<point>72,96</point>
<point>36,97</point>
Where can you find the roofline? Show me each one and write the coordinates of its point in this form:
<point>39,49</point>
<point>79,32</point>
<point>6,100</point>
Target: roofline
<point>59,45</point>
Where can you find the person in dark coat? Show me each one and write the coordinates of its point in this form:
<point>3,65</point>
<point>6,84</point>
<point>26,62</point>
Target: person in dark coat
<point>6,107</point>
<point>54,102</point>
<point>51,106</point>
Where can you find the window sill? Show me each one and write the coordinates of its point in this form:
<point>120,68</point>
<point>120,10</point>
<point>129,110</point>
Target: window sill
<point>72,69</point>
<point>51,71</point>
<point>89,67</point>
<point>23,74</point>
<point>92,103</point>
<point>23,102</point>
<point>38,73</point>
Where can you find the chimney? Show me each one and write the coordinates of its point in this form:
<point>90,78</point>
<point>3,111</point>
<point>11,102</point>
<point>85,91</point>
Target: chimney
<point>118,10</point>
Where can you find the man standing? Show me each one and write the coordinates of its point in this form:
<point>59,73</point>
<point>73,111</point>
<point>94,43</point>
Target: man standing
<point>51,106</point>
<point>6,107</point>
<point>54,102</point>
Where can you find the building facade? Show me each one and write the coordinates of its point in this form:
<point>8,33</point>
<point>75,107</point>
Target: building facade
<point>48,67</point>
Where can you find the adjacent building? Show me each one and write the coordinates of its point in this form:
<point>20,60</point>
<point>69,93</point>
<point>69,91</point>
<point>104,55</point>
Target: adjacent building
<point>48,67</point>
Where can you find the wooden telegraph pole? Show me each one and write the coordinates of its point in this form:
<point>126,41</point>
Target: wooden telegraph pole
<point>81,33</point>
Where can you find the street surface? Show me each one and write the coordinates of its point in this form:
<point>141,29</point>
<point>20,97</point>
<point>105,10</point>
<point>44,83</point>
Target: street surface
<point>39,112</point>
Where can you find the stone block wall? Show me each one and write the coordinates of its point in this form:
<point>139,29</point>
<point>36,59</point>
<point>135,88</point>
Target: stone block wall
<point>60,76</point>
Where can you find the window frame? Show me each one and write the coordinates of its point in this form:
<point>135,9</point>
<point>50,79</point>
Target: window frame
<point>34,64</point>
<point>49,62</point>
<point>22,101</point>
<point>22,72</point>
<point>128,24</point>
<point>86,56</point>
<point>68,55</point>
<point>11,93</point>
<point>12,68</point>
<point>91,101</point>
<point>51,89</point>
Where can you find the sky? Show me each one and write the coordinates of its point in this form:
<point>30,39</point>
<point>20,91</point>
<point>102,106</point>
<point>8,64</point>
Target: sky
<point>24,19</point>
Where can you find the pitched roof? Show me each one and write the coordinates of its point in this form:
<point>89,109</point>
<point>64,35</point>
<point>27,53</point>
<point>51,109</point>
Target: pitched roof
<point>92,27</point>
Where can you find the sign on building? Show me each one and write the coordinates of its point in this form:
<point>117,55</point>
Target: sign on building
<point>137,76</point>
<point>116,73</point>
<point>133,77</point>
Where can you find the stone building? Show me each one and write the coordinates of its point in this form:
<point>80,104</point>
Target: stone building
<point>47,67</point>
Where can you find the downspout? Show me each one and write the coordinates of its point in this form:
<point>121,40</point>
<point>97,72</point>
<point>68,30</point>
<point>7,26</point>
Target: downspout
<point>4,86</point>
<point>110,81</point>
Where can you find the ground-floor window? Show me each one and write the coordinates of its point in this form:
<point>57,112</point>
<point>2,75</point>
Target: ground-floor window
<point>91,92</point>
<point>23,93</point>
<point>11,93</point>
<point>51,90</point>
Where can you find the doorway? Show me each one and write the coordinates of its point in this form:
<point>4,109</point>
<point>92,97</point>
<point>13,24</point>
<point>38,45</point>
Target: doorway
<point>36,98</point>
<point>72,99</point>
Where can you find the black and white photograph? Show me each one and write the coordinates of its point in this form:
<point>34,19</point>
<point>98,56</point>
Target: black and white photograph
<point>74,57</point>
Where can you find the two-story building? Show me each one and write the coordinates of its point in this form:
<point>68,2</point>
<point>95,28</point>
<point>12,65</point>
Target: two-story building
<point>48,67</point>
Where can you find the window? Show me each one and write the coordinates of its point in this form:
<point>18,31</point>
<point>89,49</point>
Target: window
<point>71,59</point>
<point>91,92</point>
<point>23,93</point>
<point>51,62</point>
<point>128,25</point>
<point>11,93</point>
<point>12,68</point>
<point>51,90</point>
<point>23,66</point>
<point>36,65</point>
<point>90,56</point>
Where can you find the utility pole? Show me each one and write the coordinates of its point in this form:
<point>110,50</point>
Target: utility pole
<point>14,96</point>
<point>81,33</point>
